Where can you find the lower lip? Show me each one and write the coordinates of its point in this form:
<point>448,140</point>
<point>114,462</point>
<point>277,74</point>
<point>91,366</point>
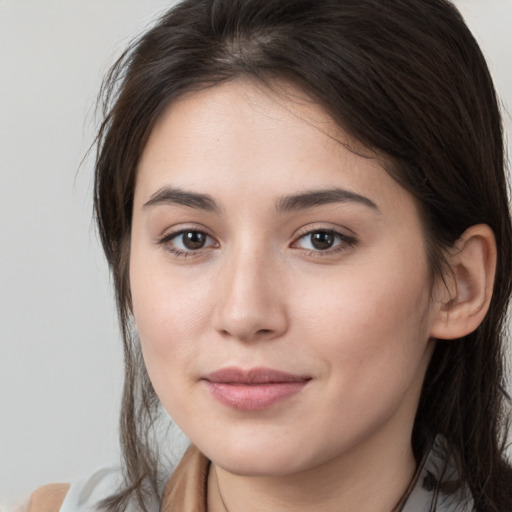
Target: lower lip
<point>254,397</point>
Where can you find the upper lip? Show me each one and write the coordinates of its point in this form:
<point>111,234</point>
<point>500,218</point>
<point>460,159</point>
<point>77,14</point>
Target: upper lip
<point>233,375</point>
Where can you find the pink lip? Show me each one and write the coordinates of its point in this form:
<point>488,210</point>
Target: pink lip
<point>254,389</point>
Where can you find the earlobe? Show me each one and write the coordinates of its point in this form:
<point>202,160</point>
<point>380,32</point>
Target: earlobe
<point>463,299</point>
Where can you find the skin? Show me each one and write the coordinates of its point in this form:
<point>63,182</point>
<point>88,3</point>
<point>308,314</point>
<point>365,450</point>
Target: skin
<point>356,318</point>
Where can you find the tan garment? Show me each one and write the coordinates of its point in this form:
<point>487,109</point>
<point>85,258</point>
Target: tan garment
<point>186,489</point>
<point>48,498</point>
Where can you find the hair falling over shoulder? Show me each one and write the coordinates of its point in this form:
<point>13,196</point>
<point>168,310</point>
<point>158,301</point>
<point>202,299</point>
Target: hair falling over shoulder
<point>405,78</point>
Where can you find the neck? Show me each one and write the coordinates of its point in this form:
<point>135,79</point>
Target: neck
<point>373,480</point>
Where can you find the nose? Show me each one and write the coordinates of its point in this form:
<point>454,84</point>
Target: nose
<point>250,303</point>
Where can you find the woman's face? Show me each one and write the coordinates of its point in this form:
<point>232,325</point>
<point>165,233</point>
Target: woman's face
<point>279,281</point>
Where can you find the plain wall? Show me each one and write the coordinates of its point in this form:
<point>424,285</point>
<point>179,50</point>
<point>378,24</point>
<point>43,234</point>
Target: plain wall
<point>60,355</point>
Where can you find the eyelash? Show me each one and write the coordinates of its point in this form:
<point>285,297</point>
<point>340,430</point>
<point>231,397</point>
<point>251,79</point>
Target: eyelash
<point>344,242</point>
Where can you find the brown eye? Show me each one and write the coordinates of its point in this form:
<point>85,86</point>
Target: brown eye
<point>194,240</point>
<point>322,240</point>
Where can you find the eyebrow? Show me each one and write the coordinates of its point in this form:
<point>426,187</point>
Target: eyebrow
<point>302,201</point>
<point>313,198</point>
<point>168,195</point>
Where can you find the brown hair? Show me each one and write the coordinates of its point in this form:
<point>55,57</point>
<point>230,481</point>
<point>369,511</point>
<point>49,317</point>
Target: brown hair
<point>406,79</point>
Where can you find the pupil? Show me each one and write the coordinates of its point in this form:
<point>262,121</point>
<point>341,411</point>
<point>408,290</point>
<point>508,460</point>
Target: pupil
<point>193,240</point>
<point>322,241</point>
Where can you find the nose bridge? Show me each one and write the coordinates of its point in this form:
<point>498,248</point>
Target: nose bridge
<point>249,303</point>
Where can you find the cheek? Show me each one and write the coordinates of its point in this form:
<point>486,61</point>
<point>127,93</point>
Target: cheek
<point>371,325</point>
<point>169,313</point>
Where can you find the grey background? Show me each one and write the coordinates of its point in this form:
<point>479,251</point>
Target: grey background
<point>60,357</point>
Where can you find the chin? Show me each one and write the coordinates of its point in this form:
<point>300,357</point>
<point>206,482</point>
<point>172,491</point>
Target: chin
<point>258,465</point>
<point>264,457</point>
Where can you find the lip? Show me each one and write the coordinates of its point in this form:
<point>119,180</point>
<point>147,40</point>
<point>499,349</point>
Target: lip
<point>254,389</point>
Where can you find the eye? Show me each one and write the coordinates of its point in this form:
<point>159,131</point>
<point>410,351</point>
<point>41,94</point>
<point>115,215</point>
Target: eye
<point>324,240</point>
<point>187,241</point>
<point>191,240</point>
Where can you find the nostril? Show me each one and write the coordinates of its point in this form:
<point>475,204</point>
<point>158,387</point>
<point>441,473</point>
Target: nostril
<point>249,317</point>
<point>247,335</point>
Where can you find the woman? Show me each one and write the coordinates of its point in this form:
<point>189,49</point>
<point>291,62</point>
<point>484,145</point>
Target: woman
<point>304,208</point>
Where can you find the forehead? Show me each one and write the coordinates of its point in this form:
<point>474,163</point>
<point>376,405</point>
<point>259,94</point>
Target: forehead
<point>245,137</point>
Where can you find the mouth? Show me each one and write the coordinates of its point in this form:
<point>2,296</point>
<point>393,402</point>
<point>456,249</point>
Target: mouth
<point>254,389</point>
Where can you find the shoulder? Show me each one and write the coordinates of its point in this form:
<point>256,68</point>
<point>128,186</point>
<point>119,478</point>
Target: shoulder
<point>48,498</point>
<point>81,496</point>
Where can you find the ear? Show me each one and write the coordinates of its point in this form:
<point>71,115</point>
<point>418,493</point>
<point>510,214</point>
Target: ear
<point>463,299</point>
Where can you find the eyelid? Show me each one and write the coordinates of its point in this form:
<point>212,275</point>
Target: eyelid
<point>177,229</point>
<point>343,231</point>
